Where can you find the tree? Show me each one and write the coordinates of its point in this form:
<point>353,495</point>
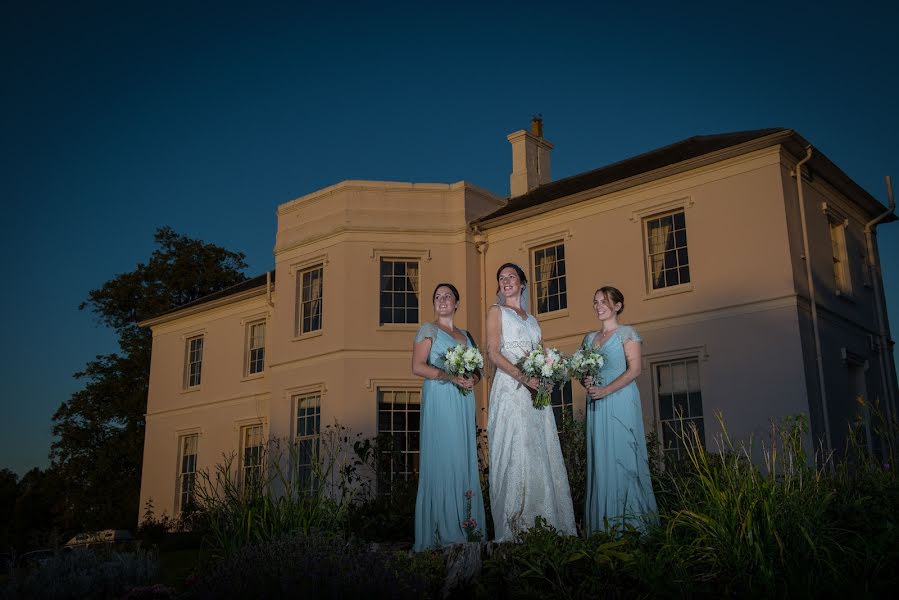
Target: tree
<point>100,429</point>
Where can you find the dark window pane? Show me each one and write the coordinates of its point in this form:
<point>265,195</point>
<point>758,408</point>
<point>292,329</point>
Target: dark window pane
<point>679,220</point>
<point>685,274</point>
<point>397,316</point>
<point>560,251</point>
<point>553,303</point>
<point>666,221</point>
<point>665,410</point>
<point>413,441</point>
<point>413,315</point>
<point>696,404</point>
<point>414,420</point>
<point>680,238</point>
<point>386,269</point>
<point>400,284</point>
<point>385,315</point>
<point>399,269</point>
<point>682,257</point>
<point>385,283</point>
<point>680,405</point>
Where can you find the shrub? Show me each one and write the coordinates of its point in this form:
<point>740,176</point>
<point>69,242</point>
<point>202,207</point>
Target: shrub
<point>87,573</point>
<point>317,565</point>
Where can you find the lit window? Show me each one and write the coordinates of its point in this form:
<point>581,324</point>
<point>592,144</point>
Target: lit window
<point>251,456</point>
<point>194,365</point>
<point>839,256</point>
<point>256,347</point>
<point>187,474</point>
<point>399,290</point>
<point>666,250</point>
<point>310,292</point>
<point>307,439</point>
<point>680,403</point>
<point>399,417</point>
<point>550,288</point>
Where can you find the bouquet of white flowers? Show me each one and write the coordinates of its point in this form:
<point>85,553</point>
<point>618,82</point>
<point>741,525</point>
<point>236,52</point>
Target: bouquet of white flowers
<point>549,366</point>
<point>463,360</point>
<point>586,362</point>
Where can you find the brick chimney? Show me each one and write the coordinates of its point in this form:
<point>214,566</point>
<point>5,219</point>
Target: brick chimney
<point>530,158</point>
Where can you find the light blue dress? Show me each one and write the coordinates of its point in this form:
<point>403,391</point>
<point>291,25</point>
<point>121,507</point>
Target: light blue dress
<point>619,488</point>
<point>449,458</point>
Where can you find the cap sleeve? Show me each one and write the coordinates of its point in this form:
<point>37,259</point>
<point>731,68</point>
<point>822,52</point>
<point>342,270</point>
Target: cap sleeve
<point>426,331</point>
<point>629,334</point>
<point>588,339</point>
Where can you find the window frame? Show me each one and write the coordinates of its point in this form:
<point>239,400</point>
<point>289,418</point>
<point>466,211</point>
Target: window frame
<point>181,502</point>
<point>406,308</point>
<point>411,457</point>
<point>189,362</point>
<point>661,422</point>
<point>249,359</point>
<point>646,220</point>
<point>842,283</point>
<point>307,483</point>
<point>301,304</point>
<point>563,278</point>
<point>244,468</point>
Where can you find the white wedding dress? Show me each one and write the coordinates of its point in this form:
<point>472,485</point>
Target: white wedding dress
<point>527,473</point>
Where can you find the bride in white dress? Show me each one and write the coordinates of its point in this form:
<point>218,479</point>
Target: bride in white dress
<point>527,473</point>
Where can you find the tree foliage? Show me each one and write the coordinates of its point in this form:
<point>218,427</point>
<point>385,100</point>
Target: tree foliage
<point>100,429</point>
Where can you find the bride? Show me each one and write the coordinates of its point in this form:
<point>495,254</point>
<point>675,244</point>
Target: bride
<point>527,473</point>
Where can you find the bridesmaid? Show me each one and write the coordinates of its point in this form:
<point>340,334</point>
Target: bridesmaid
<point>619,489</point>
<point>448,472</point>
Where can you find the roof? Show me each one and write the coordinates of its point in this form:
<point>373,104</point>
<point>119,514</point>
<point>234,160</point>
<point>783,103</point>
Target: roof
<point>229,294</point>
<point>668,156</point>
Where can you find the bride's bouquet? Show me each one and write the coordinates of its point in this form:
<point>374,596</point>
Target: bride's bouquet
<point>586,362</point>
<point>463,360</point>
<point>549,366</point>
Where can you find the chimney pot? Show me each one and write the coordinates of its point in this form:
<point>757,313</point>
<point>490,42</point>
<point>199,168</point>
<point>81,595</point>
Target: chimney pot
<point>537,125</point>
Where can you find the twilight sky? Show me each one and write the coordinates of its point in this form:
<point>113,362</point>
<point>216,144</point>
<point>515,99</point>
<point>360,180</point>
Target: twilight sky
<point>119,117</point>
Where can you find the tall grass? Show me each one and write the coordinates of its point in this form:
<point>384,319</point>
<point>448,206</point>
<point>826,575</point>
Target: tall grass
<point>235,512</point>
<point>773,528</point>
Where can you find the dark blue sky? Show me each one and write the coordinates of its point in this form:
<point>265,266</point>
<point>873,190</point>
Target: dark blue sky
<point>117,119</point>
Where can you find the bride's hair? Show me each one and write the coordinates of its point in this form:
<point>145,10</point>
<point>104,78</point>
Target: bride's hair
<point>613,295</point>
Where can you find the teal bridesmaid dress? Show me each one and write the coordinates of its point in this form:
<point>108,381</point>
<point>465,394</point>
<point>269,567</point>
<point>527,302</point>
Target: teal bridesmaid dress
<point>449,459</point>
<point>619,488</point>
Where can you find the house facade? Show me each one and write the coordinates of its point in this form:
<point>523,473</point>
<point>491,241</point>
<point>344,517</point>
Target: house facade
<point>707,239</point>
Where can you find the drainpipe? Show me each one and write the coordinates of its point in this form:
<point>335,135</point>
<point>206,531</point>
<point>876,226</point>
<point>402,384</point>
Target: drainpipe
<point>797,173</point>
<point>882,333</point>
<point>268,288</point>
<point>481,244</point>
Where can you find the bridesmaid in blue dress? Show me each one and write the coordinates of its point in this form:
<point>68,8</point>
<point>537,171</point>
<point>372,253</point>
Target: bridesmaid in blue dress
<point>449,459</point>
<point>619,488</point>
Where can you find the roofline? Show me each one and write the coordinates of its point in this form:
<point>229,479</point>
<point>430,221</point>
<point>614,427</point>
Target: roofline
<point>789,139</point>
<point>635,180</point>
<point>199,308</point>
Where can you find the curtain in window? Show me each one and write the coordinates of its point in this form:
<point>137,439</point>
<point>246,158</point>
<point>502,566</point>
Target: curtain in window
<point>545,266</point>
<point>412,276</point>
<point>315,293</point>
<point>658,241</point>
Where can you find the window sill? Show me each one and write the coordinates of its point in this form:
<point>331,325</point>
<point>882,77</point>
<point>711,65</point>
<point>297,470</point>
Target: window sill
<point>191,390</point>
<point>258,375</point>
<point>549,316</point>
<point>845,296</point>
<point>306,336</point>
<point>399,327</point>
<point>669,291</point>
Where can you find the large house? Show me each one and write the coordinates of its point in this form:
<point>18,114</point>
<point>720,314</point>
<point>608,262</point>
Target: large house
<point>748,262</point>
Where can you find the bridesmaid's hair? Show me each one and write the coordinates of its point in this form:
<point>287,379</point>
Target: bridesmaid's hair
<point>447,285</point>
<point>613,295</point>
<point>518,271</point>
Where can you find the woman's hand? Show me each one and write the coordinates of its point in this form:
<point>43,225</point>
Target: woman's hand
<point>587,381</point>
<point>463,382</point>
<point>531,382</point>
<point>597,391</point>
